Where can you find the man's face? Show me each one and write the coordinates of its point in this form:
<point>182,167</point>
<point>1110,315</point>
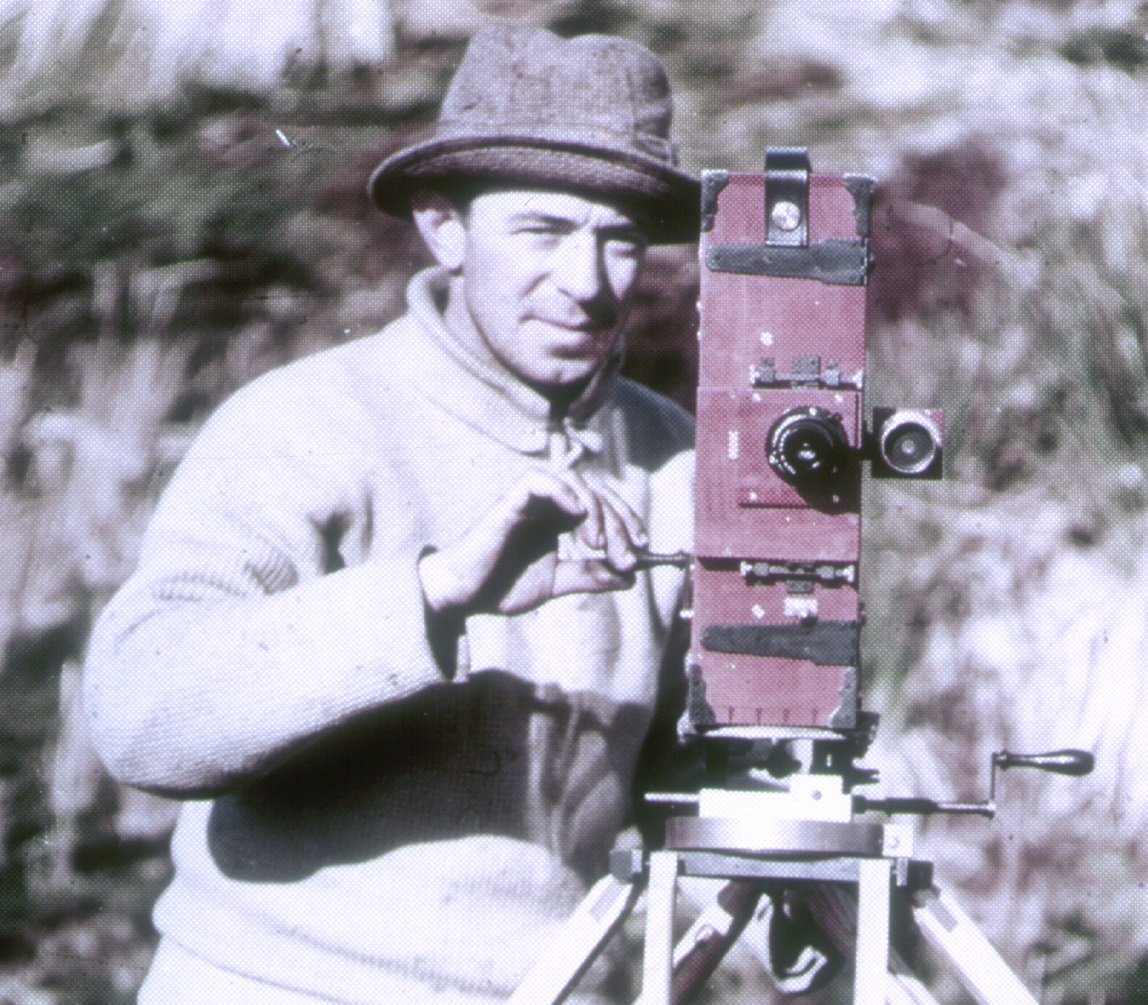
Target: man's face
<point>549,278</point>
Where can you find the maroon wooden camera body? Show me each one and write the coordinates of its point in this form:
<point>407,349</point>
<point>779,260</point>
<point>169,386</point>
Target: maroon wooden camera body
<point>784,264</point>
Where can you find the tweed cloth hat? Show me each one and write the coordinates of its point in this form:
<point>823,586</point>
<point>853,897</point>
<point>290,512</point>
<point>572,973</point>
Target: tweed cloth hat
<point>589,114</point>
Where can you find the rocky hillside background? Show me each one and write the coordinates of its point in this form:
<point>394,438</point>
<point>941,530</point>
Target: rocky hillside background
<point>179,212</point>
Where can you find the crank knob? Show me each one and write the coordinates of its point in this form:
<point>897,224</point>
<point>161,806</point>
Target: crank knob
<point>1058,762</point>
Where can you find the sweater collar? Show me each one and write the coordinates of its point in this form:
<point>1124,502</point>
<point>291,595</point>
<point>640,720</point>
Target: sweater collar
<point>490,398</point>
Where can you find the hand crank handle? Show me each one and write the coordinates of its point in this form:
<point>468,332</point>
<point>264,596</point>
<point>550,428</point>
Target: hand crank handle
<point>1059,762</point>
<point>650,559</point>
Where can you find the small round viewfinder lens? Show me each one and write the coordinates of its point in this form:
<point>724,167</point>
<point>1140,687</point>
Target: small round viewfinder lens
<point>909,442</point>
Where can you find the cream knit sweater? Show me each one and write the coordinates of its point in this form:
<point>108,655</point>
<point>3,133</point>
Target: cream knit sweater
<point>368,821</point>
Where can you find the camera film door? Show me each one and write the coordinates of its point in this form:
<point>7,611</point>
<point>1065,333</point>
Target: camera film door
<point>784,263</point>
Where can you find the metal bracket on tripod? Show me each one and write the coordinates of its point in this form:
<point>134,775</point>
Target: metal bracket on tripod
<point>804,837</point>
<point>763,853</point>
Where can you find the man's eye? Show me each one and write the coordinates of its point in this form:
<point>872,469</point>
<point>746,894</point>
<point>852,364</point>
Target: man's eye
<point>625,247</point>
<point>540,236</point>
<point>542,226</point>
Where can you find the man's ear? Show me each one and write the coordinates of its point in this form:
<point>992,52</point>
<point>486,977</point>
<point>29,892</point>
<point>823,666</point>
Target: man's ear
<point>442,227</point>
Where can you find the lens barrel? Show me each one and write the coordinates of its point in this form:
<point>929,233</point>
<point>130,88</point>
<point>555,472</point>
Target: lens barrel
<point>808,446</point>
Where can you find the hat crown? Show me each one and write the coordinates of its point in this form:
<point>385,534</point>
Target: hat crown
<point>594,89</point>
<point>529,109</point>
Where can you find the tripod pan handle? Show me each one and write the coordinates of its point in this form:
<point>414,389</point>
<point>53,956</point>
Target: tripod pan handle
<point>1059,762</point>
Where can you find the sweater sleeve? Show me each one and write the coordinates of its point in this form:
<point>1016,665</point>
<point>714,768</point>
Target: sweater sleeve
<point>272,602</point>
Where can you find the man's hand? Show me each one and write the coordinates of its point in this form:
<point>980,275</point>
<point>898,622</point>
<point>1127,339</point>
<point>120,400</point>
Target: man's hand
<point>553,533</point>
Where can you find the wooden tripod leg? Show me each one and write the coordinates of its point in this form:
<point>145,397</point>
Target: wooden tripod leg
<point>578,943</point>
<point>978,965</point>
<point>704,946</point>
<point>608,904</point>
<point>871,946</point>
<point>947,928</point>
<point>661,896</point>
<point>905,989</point>
<point>834,910</point>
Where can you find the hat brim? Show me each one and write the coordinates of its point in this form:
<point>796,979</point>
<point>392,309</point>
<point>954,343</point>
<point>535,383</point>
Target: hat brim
<point>665,199</point>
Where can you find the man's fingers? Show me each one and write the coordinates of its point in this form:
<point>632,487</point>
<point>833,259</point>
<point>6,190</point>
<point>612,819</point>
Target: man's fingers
<point>542,484</point>
<point>589,576</point>
<point>622,530</point>
<point>611,525</point>
<point>618,548</point>
<point>593,529</point>
<point>625,529</point>
<point>556,532</point>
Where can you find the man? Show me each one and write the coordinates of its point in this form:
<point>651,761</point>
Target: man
<point>389,635</point>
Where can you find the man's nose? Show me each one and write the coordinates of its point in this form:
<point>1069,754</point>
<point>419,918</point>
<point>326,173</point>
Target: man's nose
<point>579,270</point>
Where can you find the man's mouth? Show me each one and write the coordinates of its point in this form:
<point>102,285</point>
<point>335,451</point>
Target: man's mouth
<point>583,325</point>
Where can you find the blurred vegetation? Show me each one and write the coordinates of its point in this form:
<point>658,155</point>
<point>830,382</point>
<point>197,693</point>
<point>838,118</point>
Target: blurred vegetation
<point>159,250</point>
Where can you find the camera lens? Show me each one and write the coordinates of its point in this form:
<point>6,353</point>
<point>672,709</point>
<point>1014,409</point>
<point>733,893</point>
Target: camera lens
<point>909,447</point>
<point>909,442</point>
<point>808,446</point>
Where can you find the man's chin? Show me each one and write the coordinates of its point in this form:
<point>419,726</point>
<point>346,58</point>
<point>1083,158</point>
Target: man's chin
<point>564,357</point>
<point>563,378</point>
